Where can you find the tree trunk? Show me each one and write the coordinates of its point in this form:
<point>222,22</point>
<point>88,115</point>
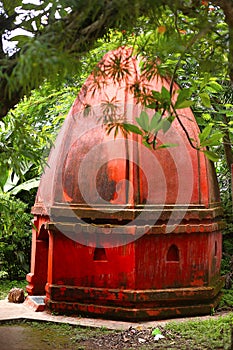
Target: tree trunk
<point>227,7</point>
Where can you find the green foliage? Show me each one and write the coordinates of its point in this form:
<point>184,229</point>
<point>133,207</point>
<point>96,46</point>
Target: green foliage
<point>15,233</point>
<point>47,108</point>
<point>19,146</point>
<point>211,155</point>
<point>132,128</point>
<point>27,134</point>
<point>209,334</point>
<point>25,186</point>
<point>148,127</point>
<point>226,300</point>
<point>183,99</point>
<point>200,90</point>
<point>176,39</point>
<point>224,179</point>
<point>6,285</point>
<point>39,57</point>
<point>64,31</point>
<point>156,331</point>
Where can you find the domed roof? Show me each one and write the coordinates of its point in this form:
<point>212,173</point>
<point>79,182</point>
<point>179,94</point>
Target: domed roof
<point>93,167</point>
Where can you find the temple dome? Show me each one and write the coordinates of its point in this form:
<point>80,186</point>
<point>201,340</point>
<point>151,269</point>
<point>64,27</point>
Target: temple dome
<point>90,167</point>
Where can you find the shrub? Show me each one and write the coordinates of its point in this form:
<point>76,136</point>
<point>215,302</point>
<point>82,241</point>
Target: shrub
<point>15,238</point>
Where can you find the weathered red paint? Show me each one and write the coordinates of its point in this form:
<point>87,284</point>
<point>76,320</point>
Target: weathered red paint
<point>39,257</point>
<point>148,268</point>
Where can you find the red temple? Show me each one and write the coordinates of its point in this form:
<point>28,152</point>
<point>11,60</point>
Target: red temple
<point>123,231</point>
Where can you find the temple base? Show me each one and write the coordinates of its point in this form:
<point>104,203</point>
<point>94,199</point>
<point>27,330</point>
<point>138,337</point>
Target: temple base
<point>134,305</point>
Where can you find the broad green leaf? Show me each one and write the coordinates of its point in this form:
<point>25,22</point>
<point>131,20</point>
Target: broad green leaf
<point>165,94</point>
<point>210,90</point>
<point>4,173</point>
<point>165,125</point>
<point>184,104</point>
<point>215,86</point>
<point>20,38</point>
<point>158,127</point>
<point>157,95</point>
<point>11,182</point>
<point>205,133</point>
<point>167,145</point>
<point>154,121</point>
<point>132,128</point>
<point>228,105</point>
<point>183,99</point>
<point>171,118</point>
<point>200,121</point>
<point>143,121</point>
<point>214,140</point>
<point>211,155</point>
<point>184,94</point>
<point>205,80</point>
<point>152,105</point>
<point>26,186</point>
<point>205,99</point>
<point>145,143</point>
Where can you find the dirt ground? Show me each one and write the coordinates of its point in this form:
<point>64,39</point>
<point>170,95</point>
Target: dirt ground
<point>28,337</point>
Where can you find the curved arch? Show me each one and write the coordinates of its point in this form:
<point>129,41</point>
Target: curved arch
<point>43,233</point>
<point>173,253</point>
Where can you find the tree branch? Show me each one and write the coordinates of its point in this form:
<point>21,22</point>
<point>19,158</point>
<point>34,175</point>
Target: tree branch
<point>227,7</point>
<point>76,34</point>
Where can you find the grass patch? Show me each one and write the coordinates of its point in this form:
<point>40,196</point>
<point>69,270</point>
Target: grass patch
<point>6,285</point>
<point>213,333</point>
<point>227,299</point>
<point>48,335</point>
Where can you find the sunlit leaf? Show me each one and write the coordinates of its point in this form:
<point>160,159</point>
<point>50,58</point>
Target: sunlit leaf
<point>184,104</point>
<point>205,99</point>
<point>215,86</point>
<point>211,155</point>
<point>132,128</point>
<point>4,173</point>
<point>214,140</point>
<point>205,133</point>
